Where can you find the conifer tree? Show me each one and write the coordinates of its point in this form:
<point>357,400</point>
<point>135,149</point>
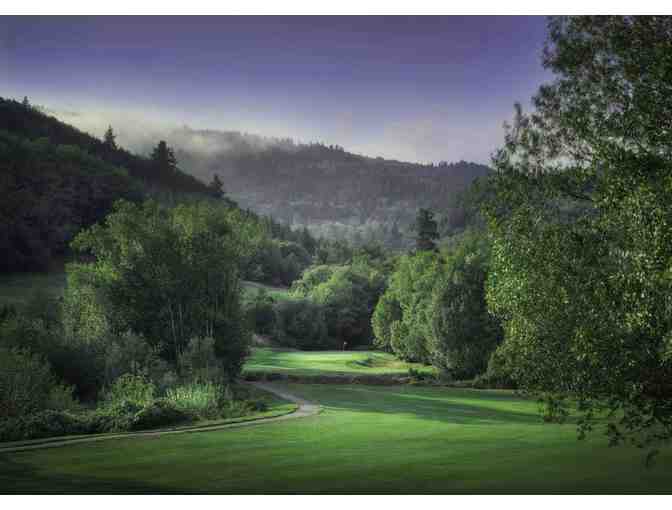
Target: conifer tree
<point>110,139</point>
<point>427,229</point>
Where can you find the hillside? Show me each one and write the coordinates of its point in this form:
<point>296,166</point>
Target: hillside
<point>333,192</point>
<point>55,180</point>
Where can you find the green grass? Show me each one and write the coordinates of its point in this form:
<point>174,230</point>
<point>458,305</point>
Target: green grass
<point>390,439</point>
<point>327,362</point>
<point>17,288</point>
<point>250,290</point>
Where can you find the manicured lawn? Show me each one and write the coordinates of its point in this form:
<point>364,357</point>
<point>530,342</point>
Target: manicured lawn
<point>327,362</point>
<point>391,439</point>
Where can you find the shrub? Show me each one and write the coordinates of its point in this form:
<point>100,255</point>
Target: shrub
<point>198,399</point>
<point>131,388</point>
<point>117,416</point>
<point>27,385</point>
<point>160,413</point>
<point>73,360</point>
<point>43,424</point>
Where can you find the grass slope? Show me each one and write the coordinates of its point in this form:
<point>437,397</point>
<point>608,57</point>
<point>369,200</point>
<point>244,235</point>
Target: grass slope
<point>250,290</point>
<point>17,288</point>
<point>327,362</point>
<point>402,439</point>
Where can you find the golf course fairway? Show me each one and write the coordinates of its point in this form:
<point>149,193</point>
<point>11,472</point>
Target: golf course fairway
<point>367,439</point>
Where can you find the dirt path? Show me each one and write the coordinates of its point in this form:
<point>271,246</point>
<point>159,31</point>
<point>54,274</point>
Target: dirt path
<point>305,408</point>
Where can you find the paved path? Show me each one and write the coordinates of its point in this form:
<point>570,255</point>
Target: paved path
<point>305,408</point>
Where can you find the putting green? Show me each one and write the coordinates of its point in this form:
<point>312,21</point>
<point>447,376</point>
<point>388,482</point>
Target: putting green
<point>328,362</point>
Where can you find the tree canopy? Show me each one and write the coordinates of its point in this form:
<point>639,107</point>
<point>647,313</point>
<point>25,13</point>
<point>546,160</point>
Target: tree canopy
<point>582,226</point>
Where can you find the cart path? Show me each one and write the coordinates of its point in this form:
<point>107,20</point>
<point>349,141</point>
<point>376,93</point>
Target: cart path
<point>305,408</point>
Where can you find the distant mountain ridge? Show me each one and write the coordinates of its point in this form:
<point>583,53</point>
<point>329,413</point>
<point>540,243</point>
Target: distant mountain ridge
<point>322,186</point>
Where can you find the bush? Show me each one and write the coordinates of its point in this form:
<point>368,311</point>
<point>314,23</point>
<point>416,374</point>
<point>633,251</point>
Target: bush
<point>131,388</point>
<point>27,385</point>
<point>73,360</point>
<point>160,413</point>
<point>198,399</point>
<point>43,424</point>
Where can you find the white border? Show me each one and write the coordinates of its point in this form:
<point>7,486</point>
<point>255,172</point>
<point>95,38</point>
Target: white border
<point>341,7</point>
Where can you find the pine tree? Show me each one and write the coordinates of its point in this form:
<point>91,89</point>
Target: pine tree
<point>216,187</point>
<point>110,139</point>
<point>164,159</point>
<point>427,229</point>
<point>25,102</point>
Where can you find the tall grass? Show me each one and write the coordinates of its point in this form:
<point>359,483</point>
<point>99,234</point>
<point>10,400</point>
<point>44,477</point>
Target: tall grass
<point>200,399</point>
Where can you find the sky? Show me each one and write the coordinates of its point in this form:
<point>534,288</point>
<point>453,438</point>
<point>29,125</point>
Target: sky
<point>410,88</point>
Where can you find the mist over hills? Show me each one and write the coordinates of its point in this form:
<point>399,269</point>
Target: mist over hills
<point>335,193</point>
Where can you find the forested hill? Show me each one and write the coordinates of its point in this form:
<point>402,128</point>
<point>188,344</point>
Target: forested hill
<point>334,192</point>
<point>55,180</point>
<point>32,124</point>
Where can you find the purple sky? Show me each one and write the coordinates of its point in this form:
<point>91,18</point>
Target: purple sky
<point>412,88</point>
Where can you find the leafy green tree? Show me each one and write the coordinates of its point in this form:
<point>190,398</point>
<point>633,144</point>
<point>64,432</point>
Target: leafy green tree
<point>582,227</point>
<point>408,299</point>
<point>427,231</point>
<point>170,275</point>
<point>464,332</point>
<point>386,313</point>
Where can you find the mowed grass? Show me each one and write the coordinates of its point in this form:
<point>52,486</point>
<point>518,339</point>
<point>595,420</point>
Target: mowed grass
<point>328,362</point>
<point>250,290</point>
<point>17,288</point>
<point>389,439</point>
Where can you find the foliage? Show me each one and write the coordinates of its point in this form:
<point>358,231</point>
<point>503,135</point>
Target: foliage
<point>169,275</point>
<point>41,208</point>
<point>302,325</point>
<point>27,385</point>
<point>408,302</point>
<point>198,361</point>
<point>348,295</point>
<point>464,334</point>
<point>581,222</point>
<point>76,363</point>
<point>134,389</point>
<point>261,313</point>
<point>43,424</point>
<point>427,230</point>
<point>198,399</point>
<point>158,413</point>
<point>387,312</point>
